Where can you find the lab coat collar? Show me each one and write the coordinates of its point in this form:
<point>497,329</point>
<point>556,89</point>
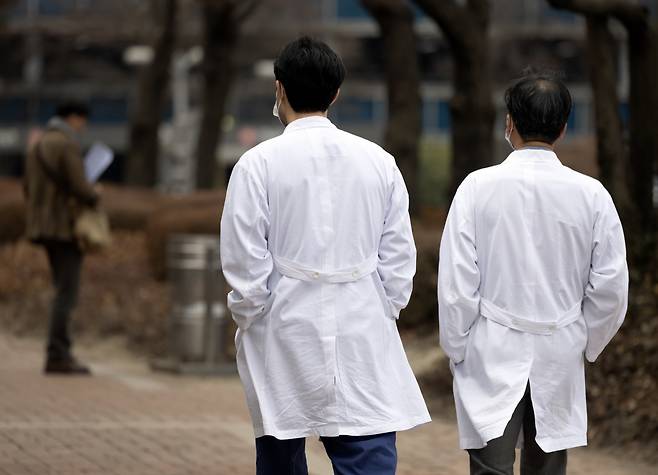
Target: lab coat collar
<point>308,122</point>
<point>532,154</point>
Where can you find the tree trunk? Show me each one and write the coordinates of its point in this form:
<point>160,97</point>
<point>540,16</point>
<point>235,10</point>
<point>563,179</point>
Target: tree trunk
<point>643,128</point>
<point>643,104</point>
<point>612,153</point>
<point>465,26</point>
<point>142,165</point>
<point>472,110</point>
<point>395,20</point>
<point>220,36</point>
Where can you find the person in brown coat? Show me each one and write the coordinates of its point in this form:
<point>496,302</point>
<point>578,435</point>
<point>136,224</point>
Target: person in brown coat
<point>55,186</point>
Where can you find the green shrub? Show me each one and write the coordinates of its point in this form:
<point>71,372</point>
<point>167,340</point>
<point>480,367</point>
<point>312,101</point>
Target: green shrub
<point>434,177</point>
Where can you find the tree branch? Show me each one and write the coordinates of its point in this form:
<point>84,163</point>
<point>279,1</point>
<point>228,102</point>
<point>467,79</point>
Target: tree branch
<point>246,10</point>
<point>631,13</point>
<point>451,18</point>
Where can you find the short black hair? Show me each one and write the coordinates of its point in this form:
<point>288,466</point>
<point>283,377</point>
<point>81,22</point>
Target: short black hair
<point>540,105</point>
<point>68,108</point>
<point>310,72</point>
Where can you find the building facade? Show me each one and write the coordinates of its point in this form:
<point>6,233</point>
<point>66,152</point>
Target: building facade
<point>78,48</point>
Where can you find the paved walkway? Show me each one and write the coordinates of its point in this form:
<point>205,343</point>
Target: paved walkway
<point>126,420</point>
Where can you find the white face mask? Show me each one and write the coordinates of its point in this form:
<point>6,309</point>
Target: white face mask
<point>508,135</point>
<point>275,109</point>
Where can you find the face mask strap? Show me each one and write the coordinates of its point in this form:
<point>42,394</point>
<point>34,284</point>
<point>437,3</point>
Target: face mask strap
<point>275,108</point>
<point>508,133</point>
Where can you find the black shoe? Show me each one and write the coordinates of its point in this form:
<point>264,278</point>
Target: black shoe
<point>70,367</point>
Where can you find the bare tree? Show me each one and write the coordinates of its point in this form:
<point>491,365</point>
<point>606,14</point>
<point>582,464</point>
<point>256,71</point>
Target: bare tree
<point>142,166</point>
<point>601,60</point>
<point>396,24</point>
<point>221,29</point>
<point>629,173</point>
<point>465,24</point>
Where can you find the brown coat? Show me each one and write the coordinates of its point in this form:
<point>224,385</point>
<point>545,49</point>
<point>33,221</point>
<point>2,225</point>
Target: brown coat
<point>51,206</point>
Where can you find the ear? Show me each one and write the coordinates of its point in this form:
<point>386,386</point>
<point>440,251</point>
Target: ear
<point>563,133</point>
<point>335,97</point>
<point>509,123</point>
<point>280,89</point>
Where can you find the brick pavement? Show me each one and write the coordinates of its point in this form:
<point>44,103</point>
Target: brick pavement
<point>126,420</point>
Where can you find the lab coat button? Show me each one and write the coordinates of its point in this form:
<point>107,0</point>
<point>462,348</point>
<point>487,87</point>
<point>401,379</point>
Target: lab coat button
<point>316,275</point>
<point>355,273</point>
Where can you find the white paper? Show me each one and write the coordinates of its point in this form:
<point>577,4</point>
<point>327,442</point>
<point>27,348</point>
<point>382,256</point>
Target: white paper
<point>98,159</point>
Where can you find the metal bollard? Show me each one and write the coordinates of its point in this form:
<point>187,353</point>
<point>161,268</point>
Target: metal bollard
<point>212,329</point>
<point>198,320</point>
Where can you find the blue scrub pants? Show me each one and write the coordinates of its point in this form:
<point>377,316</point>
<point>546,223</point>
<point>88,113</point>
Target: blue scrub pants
<point>362,455</point>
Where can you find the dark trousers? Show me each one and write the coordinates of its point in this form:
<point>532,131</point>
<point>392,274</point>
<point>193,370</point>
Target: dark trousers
<point>363,455</point>
<point>65,259</point>
<point>497,458</point>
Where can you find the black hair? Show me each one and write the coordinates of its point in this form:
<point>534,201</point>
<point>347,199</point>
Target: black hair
<point>69,108</point>
<point>310,72</point>
<point>539,104</point>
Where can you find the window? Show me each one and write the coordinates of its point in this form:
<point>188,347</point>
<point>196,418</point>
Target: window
<point>624,112</point>
<point>350,9</point>
<point>354,109</point>
<point>108,110</point>
<point>577,123</point>
<point>46,109</point>
<point>553,15</point>
<point>429,115</point>
<point>445,119</point>
<point>13,110</point>
<point>56,7</point>
<point>44,7</point>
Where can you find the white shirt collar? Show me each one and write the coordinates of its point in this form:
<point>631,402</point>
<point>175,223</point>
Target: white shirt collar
<point>531,154</point>
<point>308,122</point>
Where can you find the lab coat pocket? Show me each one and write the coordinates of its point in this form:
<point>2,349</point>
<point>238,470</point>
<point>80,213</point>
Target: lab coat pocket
<point>379,287</point>
<point>235,301</point>
<point>470,337</point>
<point>272,285</point>
<point>581,336</point>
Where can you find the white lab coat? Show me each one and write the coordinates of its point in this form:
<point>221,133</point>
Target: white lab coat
<point>316,244</point>
<point>532,277</point>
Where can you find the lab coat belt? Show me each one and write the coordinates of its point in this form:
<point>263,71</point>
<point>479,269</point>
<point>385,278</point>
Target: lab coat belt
<point>508,319</point>
<point>350,274</point>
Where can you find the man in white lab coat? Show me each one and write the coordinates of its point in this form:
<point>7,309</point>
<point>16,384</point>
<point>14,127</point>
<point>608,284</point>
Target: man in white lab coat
<point>316,244</point>
<point>532,280</point>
